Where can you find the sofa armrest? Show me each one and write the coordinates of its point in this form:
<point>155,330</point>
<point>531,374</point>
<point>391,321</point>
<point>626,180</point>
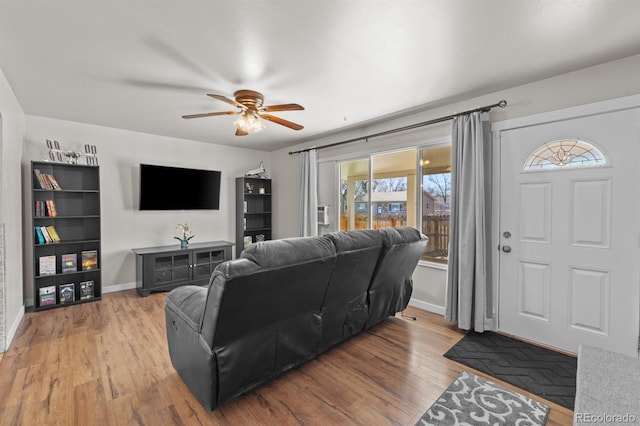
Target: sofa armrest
<point>188,302</point>
<point>192,358</point>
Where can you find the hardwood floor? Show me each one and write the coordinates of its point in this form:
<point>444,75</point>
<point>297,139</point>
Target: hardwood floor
<point>107,363</point>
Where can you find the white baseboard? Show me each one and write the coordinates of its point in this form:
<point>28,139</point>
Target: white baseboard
<point>14,328</point>
<point>427,306</point>
<point>118,287</point>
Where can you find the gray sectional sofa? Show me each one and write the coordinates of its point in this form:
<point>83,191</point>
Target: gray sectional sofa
<point>284,302</point>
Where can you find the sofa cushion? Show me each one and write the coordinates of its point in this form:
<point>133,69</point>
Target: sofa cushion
<point>188,303</point>
<point>291,274</point>
<point>288,251</point>
<point>355,240</point>
<point>262,316</point>
<point>392,283</point>
<point>345,307</point>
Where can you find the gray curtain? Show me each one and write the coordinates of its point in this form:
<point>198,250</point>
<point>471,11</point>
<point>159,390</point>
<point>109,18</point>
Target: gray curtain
<point>308,193</point>
<point>469,269</point>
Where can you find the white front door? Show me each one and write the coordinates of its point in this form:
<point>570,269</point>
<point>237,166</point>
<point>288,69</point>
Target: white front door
<point>569,237</point>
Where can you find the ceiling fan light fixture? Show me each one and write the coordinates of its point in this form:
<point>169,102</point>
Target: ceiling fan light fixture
<point>249,122</point>
<point>251,112</point>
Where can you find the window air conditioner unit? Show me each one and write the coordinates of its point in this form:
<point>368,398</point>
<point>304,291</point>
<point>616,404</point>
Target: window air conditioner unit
<point>323,215</point>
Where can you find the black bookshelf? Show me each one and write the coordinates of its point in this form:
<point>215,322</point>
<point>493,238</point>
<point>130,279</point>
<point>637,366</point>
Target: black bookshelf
<point>253,211</point>
<point>73,211</point>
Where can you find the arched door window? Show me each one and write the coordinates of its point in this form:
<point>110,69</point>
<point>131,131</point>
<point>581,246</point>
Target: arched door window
<point>564,153</point>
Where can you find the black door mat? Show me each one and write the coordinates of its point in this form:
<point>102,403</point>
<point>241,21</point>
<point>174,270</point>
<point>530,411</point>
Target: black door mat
<point>543,372</point>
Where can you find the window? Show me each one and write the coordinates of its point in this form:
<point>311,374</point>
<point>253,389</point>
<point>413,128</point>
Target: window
<point>564,154</point>
<point>380,200</point>
<point>354,194</point>
<point>396,207</point>
<point>435,165</point>
<point>380,192</point>
<point>393,186</point>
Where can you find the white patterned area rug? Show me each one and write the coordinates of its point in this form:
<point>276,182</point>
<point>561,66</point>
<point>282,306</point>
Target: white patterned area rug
<point>473,401</point>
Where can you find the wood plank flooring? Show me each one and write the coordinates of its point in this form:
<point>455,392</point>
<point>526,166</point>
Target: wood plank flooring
<point>107,363</point>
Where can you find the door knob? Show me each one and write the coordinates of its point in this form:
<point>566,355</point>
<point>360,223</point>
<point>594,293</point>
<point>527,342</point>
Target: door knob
<point>506,249</point>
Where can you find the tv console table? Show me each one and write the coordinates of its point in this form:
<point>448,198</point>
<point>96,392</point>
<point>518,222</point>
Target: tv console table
<point>166,267</point>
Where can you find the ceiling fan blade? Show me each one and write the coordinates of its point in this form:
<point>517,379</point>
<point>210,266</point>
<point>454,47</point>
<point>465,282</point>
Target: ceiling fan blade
<point>282,121</point>
<point>282,107</point>
<point>227,100</point>
<point>210,114</point>
<point>241,132</point>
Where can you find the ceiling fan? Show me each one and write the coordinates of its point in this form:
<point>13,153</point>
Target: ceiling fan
<point>251,111</point>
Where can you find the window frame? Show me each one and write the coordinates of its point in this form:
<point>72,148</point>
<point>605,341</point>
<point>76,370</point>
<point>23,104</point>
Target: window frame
<point>338,179</point>
<point>535,161</point>
<point>420,159</point>
<point>418,146</point>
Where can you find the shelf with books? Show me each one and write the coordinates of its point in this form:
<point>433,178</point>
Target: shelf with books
<point>68,230</point>
<point>70,177</point>
<point>66,234</point>
<point>53,289</point>
<point>64,204</point>
<point>63,242</point>
<point>253,211</point>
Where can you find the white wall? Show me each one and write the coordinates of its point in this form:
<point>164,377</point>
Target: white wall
<point>605,81</point>
<point>123,226</point>
<point>10,209</point>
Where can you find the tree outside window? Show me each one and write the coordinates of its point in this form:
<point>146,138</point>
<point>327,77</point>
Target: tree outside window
<point>436,201</point>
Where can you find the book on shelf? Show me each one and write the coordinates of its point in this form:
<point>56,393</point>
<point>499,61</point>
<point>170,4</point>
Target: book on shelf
<point>42,208</point>
<point>86,290</point>
<point>54,182</point>
<point>69,262</point>
<point>39,235</point>
<point>67,293</point>
<point>45,234</point>
<point>42,179</point>
<point>51,208</point>
<point>53,233</point>
<point>47,295</point>
<point>89,259</point>
<point>47,265</point>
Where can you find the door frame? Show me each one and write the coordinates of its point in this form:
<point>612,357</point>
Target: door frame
<point>581,111</point>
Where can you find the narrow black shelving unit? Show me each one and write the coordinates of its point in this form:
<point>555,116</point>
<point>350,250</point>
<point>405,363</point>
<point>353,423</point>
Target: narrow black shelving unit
<point>253,211</point>
<point>73,210</point>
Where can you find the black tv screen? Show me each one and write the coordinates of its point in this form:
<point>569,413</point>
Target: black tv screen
<point>174,188</point>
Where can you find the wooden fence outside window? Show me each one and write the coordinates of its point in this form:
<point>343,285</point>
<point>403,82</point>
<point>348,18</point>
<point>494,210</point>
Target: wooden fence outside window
<point>436,227</point>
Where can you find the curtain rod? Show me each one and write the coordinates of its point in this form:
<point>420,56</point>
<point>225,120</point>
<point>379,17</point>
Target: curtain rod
<point>500,104</point>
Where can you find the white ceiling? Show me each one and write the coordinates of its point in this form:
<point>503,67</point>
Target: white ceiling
<point>141,64</point>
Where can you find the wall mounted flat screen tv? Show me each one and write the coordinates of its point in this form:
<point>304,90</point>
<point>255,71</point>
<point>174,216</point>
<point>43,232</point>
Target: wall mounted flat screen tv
<point>175,188</point>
